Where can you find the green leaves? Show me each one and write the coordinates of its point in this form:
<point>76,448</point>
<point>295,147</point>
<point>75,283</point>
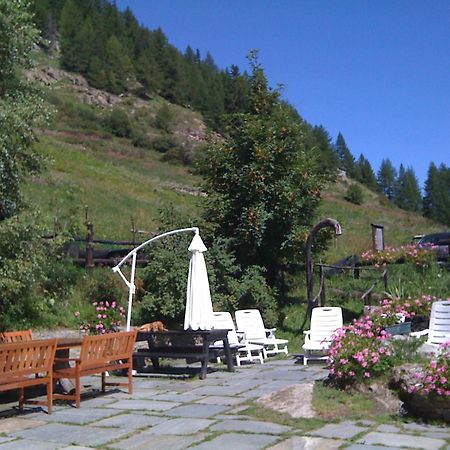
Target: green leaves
<point>262,180</point>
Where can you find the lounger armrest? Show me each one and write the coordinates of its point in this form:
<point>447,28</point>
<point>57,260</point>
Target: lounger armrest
<point>270,332</point>
<point>419,333</point>
<point>307,332</point>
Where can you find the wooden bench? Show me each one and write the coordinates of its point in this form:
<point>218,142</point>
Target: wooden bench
<point>98,355</point>
<point>190,345</point>
<point>15,336</point>
<point>20,365</point>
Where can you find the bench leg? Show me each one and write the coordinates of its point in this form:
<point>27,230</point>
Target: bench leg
<point>103,381</point>
<point>77,392</point>
<point>204,368</point>
<point>50,396</point>
<point>21,398</point>
<point>155,363</point>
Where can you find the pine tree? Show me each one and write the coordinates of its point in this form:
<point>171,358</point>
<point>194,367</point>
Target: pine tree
<point>328,160</point>
<point>70,23</point>
<point>346,159</point>
<point>407,191</point>
<point>118,66</point>
<point>436,201</point>
<point>386,178</point>
<point>365,174</point>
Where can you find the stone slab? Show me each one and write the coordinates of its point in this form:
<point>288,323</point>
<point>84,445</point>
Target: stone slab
<point>402,440</point>
<point>146,405</point>
<point>184,397</point>
<point>388,429</point>
<point>145,442</point>
<point>197,410</point>
<point>180,426</point>
<point>219,390</point>
<point>221,400</point>
<point>71,434</point>
<point>238,442</point>
<point>250,426</point>
<point>79,416</point>
<point>343,430</point>
<point>30,445</point>
<point>294,400</point>
<point>369,447</point>
<point>15,424</point>
<point>307,443</point>
<point>130,421</point>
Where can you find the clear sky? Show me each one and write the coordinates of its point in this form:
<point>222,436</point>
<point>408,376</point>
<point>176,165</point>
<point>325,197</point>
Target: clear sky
<point>378,71</point>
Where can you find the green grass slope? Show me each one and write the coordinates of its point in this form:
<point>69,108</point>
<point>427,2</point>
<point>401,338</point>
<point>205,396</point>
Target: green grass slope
<point>88,166</point>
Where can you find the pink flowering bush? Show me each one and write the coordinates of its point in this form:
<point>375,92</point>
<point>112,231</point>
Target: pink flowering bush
<point>409,307</point>
<point>381,257</point>
<point>359,351</point>
<point>434,377</point>
<point>420,257</point>
<point>107,318</point>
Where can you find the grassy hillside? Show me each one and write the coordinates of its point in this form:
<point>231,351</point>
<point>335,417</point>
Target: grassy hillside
<point>87,165</point>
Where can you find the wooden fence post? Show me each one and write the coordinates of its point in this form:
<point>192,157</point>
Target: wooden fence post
<point>90,248</point>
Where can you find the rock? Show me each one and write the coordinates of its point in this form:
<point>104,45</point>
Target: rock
<point>429,407</point>
<point>382,395</point>
<point>295,400</point>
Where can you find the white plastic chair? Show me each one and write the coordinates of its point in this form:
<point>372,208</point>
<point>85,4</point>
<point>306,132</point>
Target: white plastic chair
<point>244,350</point>
<point>324,322</point>
<point>251,323</point>
<point>439,328</point>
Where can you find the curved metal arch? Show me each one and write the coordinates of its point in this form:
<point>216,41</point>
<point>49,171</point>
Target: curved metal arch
<point>133,254</point>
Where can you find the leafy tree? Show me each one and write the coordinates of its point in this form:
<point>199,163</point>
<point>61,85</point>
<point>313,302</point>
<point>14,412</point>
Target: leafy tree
<point>21,106</point>
<point>26,260</point>
<point>263,190</point>
<point>436,201</point>
<point>347,161</point>
<point>386,178</point>
<point>407,191</point>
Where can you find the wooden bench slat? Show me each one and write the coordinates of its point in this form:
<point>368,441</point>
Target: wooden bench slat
<point>20,364</point>
<point>98,355</point>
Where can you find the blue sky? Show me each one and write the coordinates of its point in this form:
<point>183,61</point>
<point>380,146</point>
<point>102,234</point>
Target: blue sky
<point>377,71</point>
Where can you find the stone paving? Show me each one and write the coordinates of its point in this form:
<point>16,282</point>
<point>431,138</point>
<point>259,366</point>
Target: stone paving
<point>180,413</point>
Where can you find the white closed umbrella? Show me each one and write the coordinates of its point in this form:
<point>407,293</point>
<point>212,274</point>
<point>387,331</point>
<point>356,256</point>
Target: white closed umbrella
<point>199,311</point>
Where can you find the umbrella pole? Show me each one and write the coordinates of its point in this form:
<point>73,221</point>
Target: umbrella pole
<point>132,288</point>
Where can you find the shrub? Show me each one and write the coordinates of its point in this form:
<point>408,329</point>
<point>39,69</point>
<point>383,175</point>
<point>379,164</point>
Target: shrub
<point>359,351</point>
<point>164,118</point>
<point>118,123</point>
<point>140,139</point>
<point>434,378</point>
<point>106,318</point>
<point>103,286</point>
<point>354,194</point>
<point>408,307</point>
<point>420,257</point>
<point>164,143</point>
